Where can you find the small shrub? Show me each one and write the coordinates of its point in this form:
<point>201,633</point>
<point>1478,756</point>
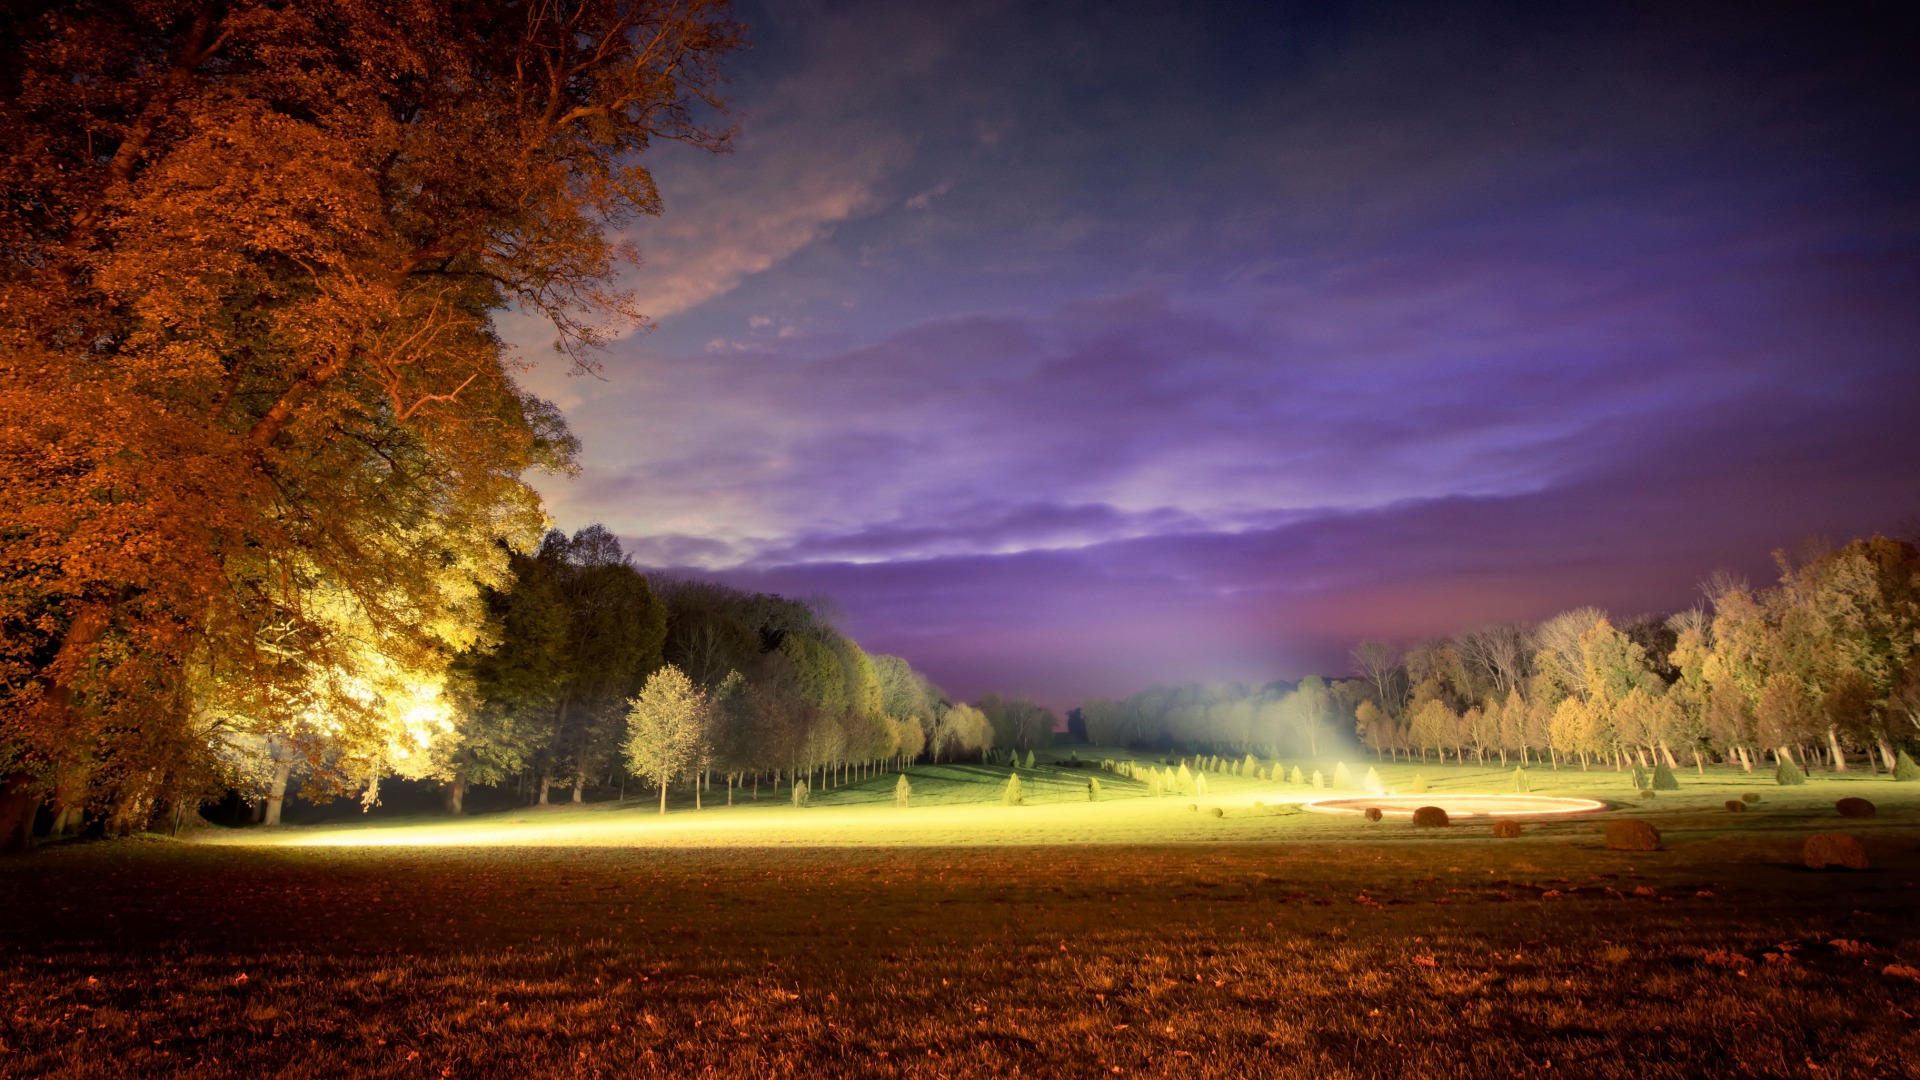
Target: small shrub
<point>1371,782</point>
<point>1506,829</point>
<point>1787,774</point>
<point>1093,789</point>
<point>1904,768</point>
<point>1342,779</point>
<point>1318,780</point>
<point>1430,817</point>
<point>1200,784</point>
<point>1749,797</point>
<point>1373,813</point>
<point>902,791</point>
<point>1153,786</point>
<point>1736,806</point>
<point>799,793</point>
<point>1632,835</point>
<point>1663,778</point>
<point>1520,784</point>
<point>1029,759</point>
<point>1639,778</point>
<point>1250,767</point>
<point>1647,793</point>
<point>1217,812</point>
<point>1298,776</point>
<point>1856,808</point>
<point>1419,784</point>
<point>1012,796</point>
<point>1185,779</point>
<point>1824,850</point>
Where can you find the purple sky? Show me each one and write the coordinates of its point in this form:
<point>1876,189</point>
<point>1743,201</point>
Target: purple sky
<point>1078,347</point>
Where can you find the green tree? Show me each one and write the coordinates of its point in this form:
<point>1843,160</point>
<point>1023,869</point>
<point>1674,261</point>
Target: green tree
<point>666,726</point>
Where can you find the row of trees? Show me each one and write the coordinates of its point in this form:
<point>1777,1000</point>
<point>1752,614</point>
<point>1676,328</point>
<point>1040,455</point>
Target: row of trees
<point>1817,667</point>
<point>1814,668</point>
<point>588,673</point>
<point>264,451</point>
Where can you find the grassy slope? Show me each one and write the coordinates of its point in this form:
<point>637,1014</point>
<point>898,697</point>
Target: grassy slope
<point>1318,947</point>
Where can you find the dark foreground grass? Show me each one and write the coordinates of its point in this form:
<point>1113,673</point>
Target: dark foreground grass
<point>1392,957</point>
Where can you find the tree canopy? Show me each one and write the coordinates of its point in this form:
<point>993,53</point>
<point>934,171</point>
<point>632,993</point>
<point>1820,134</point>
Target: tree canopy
<point>264,446</point>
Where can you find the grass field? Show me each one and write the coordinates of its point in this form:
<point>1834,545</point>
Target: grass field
<point>1134,936</point>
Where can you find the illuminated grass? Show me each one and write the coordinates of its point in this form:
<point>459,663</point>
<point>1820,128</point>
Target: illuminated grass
<point>964,939</point>
<point>960,805</point>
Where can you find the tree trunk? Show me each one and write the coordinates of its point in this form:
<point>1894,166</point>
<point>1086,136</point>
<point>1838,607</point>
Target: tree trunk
<point>696,791</point>
<point>1839,759</point>
<point>1886,752</point>
<point>579,788</point>
<point>663,797</point>
<point>69,796</point>
<point>457,793</point>
<point>546,782</point>
<point>277,793</point>
<point>17,807</point>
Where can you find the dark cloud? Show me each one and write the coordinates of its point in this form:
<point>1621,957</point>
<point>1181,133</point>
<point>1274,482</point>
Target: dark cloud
<point>1077,346</point>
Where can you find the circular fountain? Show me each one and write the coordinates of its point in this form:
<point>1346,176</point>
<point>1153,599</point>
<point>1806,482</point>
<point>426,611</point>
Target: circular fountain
<point>1457,806</point>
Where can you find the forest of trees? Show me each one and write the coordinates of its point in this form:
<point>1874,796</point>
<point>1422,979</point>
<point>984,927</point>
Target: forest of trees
<point>264,451</point>
<point>1819,668</point>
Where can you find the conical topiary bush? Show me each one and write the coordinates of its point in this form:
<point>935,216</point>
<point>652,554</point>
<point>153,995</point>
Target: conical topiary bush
<point>1520,785</point>
<point>1787,774</point>
<point>1663,778</point>
<point>1904,768</point>
<point>902,791</point>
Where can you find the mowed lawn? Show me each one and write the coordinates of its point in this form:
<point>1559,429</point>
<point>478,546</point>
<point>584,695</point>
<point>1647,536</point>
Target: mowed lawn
<point>1290,945</point>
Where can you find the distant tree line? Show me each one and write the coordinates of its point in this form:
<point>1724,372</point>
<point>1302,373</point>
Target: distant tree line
<point>1815,669</point>
<point>598,674</point>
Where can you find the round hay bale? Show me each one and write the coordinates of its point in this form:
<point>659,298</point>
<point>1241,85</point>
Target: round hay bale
<point>1373,813</point>
<point>1217,812</point>
<point>1749,797</point>
<point>1855,807</point>
<point>1736,806</point>
<point>1505,829</point>
<point>1648,793</point>
<point>1825,850</point>
<point>1632,835</point>
<point>1430,817</point>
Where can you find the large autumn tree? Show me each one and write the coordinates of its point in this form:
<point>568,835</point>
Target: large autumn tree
<point>256,424</point>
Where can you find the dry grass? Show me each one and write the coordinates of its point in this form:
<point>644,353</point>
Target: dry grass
<point>1385,955</point>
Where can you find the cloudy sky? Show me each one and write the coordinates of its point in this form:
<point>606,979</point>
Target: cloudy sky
<point>1075,347</point>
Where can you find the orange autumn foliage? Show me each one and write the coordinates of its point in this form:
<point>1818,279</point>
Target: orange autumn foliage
<point>261,442</point>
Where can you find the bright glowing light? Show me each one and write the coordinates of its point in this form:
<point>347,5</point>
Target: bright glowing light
<point>774,823</point>
<point>1457,806</point>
